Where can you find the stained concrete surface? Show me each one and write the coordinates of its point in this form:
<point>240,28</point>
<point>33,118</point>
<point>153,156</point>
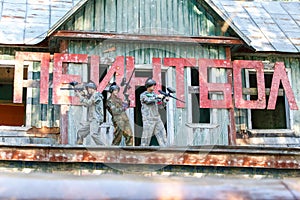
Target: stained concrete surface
<point>134,186</point>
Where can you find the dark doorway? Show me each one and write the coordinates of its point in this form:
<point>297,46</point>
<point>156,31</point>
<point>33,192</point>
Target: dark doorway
<point>138,121</point>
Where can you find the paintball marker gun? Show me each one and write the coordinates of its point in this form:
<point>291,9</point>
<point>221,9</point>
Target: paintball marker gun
<point>73,84</point>
<point>169,93</point>
<point>126,86</point>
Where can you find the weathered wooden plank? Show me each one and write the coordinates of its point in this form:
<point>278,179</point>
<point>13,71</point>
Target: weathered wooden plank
<point>187,26</point>
<point>142,17</point>
<point>88,16</point>
<point>126,15</point>
<point>110,16</point>
<point>175,14</point>
<point>180,18</point>
<point>246,91</point>
<point>148,38</point>
<point>277,141</point>
<point>271,131</point>
<point>169,18</point>
<point>164,16</point>
<point>152,17</point>
<point>134,18</point>
<point>36,106</point>
<point>79,21</point>
<point>159,19</point>
<point>99,16</point>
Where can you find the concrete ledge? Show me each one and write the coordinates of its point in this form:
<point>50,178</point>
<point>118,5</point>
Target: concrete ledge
<point>14,128</point>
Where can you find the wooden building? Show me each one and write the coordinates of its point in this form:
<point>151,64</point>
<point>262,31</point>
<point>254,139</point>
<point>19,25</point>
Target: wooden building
<point>167,39</point>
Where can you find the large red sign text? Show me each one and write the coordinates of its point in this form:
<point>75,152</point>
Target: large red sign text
<point>60,78</point>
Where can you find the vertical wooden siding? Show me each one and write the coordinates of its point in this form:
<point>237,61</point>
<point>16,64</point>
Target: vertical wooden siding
<point>157,17</point>
<point>143,53</point>
<point>42,114</point>
<point>154,17</point>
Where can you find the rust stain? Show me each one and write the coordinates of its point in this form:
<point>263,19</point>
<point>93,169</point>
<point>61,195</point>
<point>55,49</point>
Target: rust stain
<point>165,157</point>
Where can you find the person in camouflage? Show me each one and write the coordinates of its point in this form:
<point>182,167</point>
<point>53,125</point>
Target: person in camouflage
<point>94,101</point>
<point>117,109</point>
<point>152,123</point>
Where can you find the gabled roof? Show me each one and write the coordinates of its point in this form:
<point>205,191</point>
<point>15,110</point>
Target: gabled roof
<point>27,21</point>
<point>265,26</point>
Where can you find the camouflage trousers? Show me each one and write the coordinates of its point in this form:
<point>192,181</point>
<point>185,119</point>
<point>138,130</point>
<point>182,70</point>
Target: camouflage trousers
<point>122,128</point>
<point>90,127</point>
<point>154,127</point>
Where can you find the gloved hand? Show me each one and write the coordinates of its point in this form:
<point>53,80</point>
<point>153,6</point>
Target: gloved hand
<point>160,96</point>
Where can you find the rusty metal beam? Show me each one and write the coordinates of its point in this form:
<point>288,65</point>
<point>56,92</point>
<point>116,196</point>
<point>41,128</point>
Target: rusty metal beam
<point>227,156</point>
<point>81,35</point>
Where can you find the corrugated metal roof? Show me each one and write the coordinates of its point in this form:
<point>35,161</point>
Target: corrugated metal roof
<point>265,26</point>
<point>27,21</point>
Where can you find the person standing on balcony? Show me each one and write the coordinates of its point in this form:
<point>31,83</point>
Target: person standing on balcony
<point>152,123</point>
<point>116,107</point>
<point>93,100</point>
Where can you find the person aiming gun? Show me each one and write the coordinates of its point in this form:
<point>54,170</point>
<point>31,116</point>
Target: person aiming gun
<point>152,123</point>
<point>93,100</point>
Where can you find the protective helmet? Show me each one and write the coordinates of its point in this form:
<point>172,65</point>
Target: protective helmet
<point>150,82</point>
<point>91,85</point>
<point>113,87</point>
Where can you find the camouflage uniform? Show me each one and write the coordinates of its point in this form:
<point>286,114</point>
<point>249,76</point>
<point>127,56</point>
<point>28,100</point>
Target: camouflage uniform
<point>95,118</point>
<point>120,120</point>
<point>152,124</point>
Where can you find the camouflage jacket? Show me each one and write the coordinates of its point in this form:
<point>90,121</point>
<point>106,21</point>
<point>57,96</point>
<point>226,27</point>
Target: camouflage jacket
<point>95,106</point>
<point>116,108</point>
<point>150,104</point>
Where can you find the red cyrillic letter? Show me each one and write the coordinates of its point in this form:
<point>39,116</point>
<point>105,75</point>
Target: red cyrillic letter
<point>281,75</point>
<point>260,103</point>
<point>179,64</point>
<point>59,96</point>
<point>206,87</point>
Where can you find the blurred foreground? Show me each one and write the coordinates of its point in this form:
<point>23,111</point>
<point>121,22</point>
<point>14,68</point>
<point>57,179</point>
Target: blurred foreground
<point>134,186</point>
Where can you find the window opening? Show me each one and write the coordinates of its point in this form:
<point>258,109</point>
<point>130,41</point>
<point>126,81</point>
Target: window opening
<point>199,115</point>
<point>267,119</point>
<point>11,114</point>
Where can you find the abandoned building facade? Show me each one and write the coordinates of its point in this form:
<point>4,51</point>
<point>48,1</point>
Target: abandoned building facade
<point>235,64</point>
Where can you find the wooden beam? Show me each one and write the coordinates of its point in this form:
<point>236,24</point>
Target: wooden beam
<point>226,156</point>
<point>253,91</point>
<point>64,109</point>
<point>246,91</point>
<point>231,126</point>
<point>80,35</point>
